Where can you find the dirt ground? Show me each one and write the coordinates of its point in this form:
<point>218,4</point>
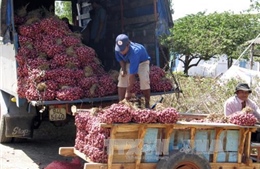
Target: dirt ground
<point>42,149</point>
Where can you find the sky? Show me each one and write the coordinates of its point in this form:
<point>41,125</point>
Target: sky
<point>185,7</point>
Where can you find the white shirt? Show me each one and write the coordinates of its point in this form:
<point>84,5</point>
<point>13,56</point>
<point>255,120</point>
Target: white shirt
<point>234,104</point>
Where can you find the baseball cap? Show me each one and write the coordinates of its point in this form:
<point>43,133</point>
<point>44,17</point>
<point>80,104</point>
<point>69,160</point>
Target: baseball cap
<point>244,87</point>
<point>121,42</point>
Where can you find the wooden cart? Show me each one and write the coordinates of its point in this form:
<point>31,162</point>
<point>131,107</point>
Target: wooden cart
<point>151,146</point>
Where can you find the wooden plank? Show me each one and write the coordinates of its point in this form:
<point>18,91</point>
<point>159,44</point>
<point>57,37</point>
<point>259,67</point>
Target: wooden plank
<point>128,135</point>
<point>242,145</point>
<point>111,147</point>
<point>187,125</point>
<point>127,128</point>
<point>160,137</point>
<point>83,16</point>
<point>119,166</point>
<point>153,166</point>
<point>239,153</point>
<point>85,4</point>
<point>82,155</point>
<point>224,125</point>
<point>125,156</point>
<point>192,137</point>
<point>78,11</point>
<point>248,148</point>
<point>234,166</point>
<point>67,151</point>
<point>119,147</point>
<point>117,124</point>
<point>167,136</point>
<point>254,129</point>
<point>141,134</point>
<point>216,148</point>
<point>192,116</point>
<point>126,141</point>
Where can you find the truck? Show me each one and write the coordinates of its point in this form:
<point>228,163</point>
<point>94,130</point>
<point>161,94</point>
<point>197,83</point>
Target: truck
<point>143,21</point>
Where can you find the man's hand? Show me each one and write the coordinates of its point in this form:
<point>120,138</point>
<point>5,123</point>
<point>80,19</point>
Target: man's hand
<point>131,83</point>
<point>123,72</point>
<point>129,95</point>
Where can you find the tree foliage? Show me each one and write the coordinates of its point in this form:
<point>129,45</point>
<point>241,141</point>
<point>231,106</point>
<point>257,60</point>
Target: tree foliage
<point>204,36</point>
<point>63,9</point>
<point>254,5</point>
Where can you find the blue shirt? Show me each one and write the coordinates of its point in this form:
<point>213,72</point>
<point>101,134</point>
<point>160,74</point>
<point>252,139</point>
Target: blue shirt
<point>135,55</point>
<point>99,16</point>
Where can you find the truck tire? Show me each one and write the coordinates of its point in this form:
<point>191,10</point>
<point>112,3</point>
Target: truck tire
<point>3,138</point>
<point>185,160</point>
<point>161,164</point>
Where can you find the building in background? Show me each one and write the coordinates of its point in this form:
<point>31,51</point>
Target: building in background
<point>213,67</point>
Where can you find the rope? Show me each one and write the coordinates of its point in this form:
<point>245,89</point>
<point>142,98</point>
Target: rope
<point>247,48</point>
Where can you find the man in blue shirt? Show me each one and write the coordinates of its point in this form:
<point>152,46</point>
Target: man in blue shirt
<point>133,59</point>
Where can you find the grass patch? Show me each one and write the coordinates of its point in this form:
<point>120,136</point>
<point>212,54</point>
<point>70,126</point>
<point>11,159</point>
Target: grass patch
<point>202,94</point>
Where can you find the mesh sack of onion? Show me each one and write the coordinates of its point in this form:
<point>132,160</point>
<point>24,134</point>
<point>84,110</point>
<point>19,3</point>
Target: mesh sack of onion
<point>48,50</point>
<point>92,139</point>
<point>243,118</point>
<point>74,164</point>
<point>90,136</point>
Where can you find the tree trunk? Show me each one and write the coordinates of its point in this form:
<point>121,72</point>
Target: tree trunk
<point>230,62</point>
<point>186,65</point>
<point>186,69</point>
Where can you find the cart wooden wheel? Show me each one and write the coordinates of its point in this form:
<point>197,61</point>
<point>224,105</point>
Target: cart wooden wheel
<point>182,160</point>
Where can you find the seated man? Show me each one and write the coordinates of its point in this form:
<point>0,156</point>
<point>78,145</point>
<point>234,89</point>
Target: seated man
<point>239,101</point>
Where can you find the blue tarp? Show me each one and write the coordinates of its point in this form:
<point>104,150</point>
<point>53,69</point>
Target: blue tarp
<point>8,13</point>
<point>164,18</point>
<point>7,39</point>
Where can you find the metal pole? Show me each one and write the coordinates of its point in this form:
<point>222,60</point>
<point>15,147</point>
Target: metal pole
<point>251,62</point>
<point>246,49</point>
<point>252,57</point>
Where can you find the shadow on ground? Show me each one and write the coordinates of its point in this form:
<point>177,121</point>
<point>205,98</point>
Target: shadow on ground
<point>43,148</point>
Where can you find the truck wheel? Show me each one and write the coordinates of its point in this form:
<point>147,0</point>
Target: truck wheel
<point>3,138</point>
<point>186,160</point>
<point>161,164</point>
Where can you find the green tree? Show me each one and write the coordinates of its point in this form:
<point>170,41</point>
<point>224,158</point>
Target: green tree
<point>205,36</point>
<point>254,5</point>
<point>63,9</point>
